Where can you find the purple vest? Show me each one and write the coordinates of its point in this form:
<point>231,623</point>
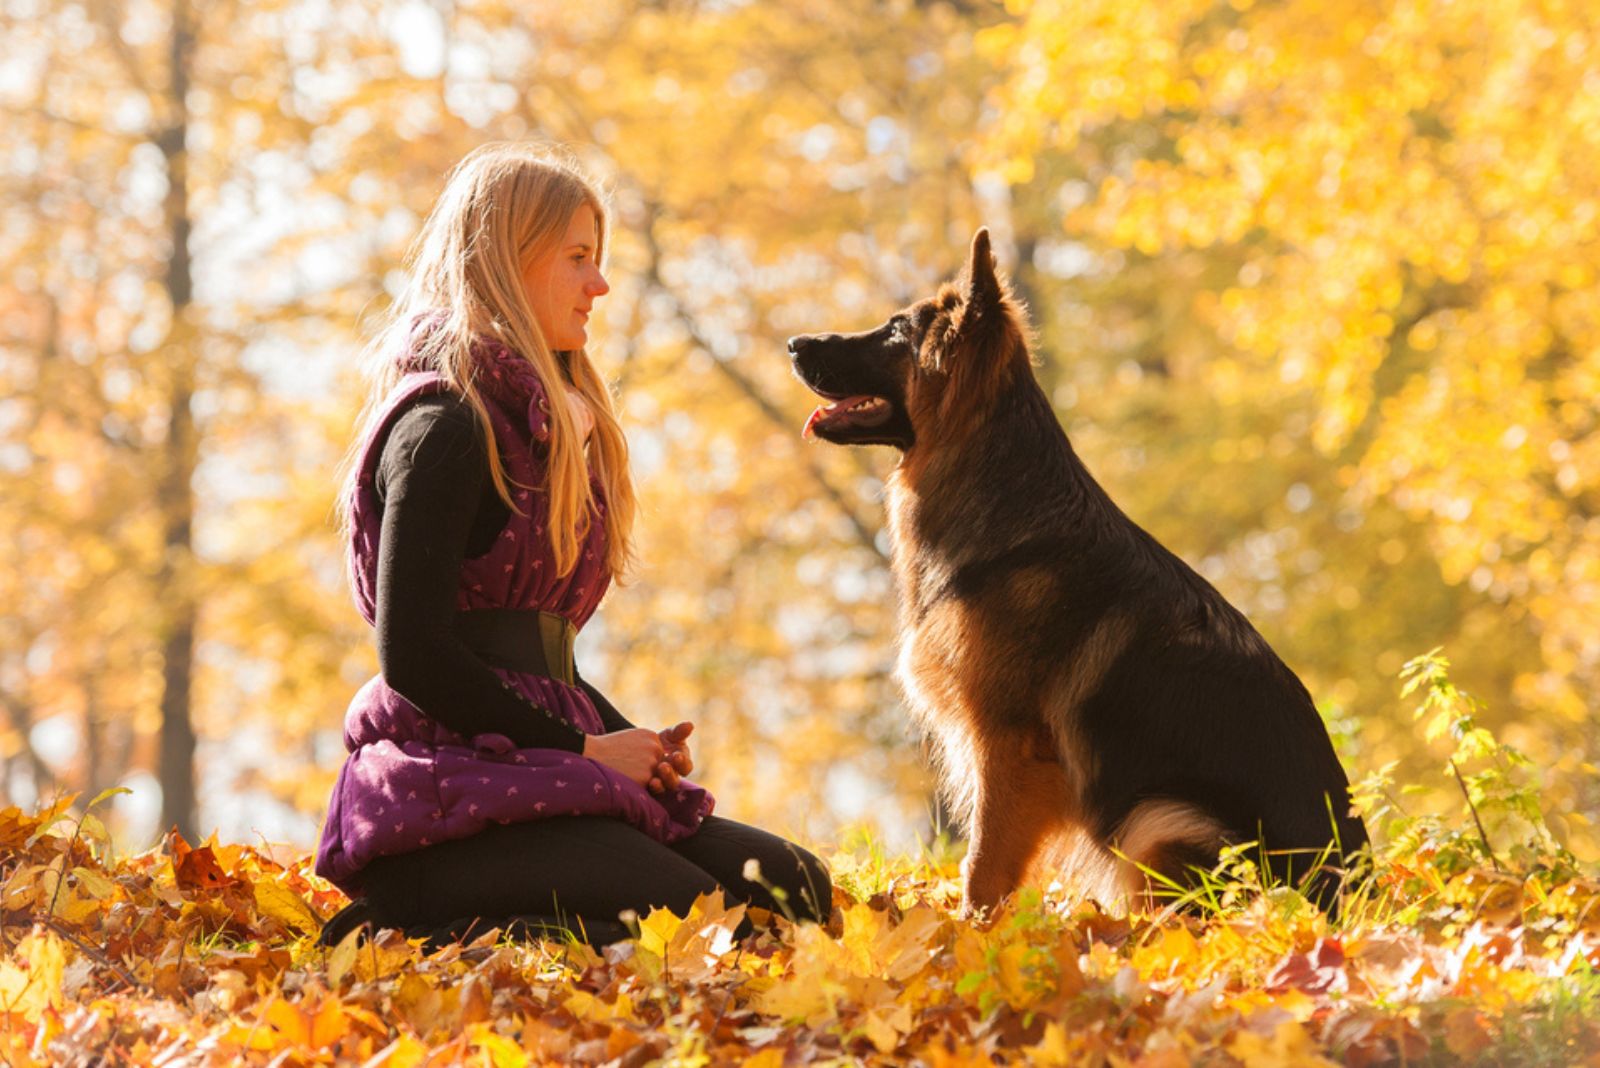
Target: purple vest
<point>408,781</point>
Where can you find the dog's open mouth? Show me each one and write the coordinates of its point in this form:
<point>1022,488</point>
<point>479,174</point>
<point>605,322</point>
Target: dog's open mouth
<point>859,411</point>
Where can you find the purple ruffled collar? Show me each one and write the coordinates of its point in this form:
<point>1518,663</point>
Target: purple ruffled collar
<point>503,375</point>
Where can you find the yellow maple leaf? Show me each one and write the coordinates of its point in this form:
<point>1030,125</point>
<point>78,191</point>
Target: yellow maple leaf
<point>73,906</point>
<point>1176,952</point>
<point>690,947</point>
<point>27,886</point>
<point>814,982</point>
<point>383,956</point>
<point>1052,1049</point>
<point>94,884</point>
<point>904,949</point>
<point>403,1052</point>
<point>500,1050</point>
<point>1288,1047</point>
<point>656,931</point>
<point>328,1024</point>
<point>35,986</point>
<point>302,1025</point>
<point>419,1002</point>
<point>885,1027</point>
<point>284,905</point>
<point>585,1006</point>
<point>343,957</point>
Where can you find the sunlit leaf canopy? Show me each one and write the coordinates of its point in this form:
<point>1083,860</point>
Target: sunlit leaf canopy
<point>1314,288</point>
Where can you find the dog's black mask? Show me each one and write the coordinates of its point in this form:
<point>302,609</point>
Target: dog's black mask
<point>864,376</point>
<point>875,379</point>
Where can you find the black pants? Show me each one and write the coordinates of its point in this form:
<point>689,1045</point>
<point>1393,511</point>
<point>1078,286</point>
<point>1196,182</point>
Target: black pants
<point>580,872</point>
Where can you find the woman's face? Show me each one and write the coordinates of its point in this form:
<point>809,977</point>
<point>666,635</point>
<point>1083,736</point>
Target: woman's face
<point>562,284</point>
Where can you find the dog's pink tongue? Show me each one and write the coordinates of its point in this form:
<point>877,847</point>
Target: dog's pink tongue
<point>828,411</point>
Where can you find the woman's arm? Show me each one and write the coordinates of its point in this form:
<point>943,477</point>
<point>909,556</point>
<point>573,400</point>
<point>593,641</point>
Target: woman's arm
<point>433,474</point>
<point>609,716</point>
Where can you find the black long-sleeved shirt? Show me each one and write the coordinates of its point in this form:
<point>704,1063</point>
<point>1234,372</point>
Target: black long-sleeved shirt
<point>440,508</point>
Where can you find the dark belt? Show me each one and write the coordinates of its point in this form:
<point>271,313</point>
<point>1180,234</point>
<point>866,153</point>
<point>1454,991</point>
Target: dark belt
<point>539,643</point>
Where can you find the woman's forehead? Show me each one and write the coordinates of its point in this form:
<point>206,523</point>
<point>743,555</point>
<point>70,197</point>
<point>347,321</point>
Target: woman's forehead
<point>584,226</point>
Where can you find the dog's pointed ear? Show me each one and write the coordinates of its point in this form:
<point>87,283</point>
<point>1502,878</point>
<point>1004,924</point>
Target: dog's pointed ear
<point>982,284</point>
<point>983,292</point>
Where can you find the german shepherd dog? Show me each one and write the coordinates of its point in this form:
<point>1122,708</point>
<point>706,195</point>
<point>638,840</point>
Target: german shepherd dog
<point>1095,706</point>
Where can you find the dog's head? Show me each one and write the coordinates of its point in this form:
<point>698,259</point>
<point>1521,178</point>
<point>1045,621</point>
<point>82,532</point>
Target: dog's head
<point>935,366</point>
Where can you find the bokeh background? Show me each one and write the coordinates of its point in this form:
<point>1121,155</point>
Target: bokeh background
<point>1314,284</point>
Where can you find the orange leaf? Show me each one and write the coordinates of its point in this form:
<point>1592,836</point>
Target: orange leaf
<point>196,869</point>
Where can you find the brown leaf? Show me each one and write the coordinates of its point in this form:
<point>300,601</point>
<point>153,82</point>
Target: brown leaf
<point>266,962</point>
<point>1467,1032</point>
<point>196,870</point>
<point>1316,972</point>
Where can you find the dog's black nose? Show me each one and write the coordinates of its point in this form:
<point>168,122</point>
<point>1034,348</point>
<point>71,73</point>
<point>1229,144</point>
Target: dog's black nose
<point>795,343</point>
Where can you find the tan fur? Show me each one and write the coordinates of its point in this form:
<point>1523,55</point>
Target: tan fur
<point>1009,788</point>
<point>1155,824</point>
<point>1089,870</point>
<point>1017,793</point>
<point>1020,806</point>
<point>1071,685</point>
<point>929,674</point>
<point>1155,828</point>
<point>1030,590</point>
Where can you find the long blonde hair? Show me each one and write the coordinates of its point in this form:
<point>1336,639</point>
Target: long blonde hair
<point>503,205</point>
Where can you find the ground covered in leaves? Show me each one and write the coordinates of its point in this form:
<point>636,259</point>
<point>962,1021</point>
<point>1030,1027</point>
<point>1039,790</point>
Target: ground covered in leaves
<point>206,955</point>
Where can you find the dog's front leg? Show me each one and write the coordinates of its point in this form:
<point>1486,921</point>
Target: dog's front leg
<point>1021,800</point>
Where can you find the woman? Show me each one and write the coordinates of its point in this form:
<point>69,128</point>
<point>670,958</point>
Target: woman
<point>489,505</point>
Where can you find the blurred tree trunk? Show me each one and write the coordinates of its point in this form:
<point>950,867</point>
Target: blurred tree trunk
<point>94,761</point>
<point>20,717</point>
<point>178,456</point>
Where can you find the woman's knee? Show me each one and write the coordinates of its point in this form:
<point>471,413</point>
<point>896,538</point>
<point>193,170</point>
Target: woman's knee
<point>762,869</point>
<point>814,886</point>
<point>797,879</point>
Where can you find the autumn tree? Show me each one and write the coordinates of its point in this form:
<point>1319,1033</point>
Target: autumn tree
<point>1312,287</point>
<point>1344,256</point>
<point>250,197</point>
<point>152,151</point>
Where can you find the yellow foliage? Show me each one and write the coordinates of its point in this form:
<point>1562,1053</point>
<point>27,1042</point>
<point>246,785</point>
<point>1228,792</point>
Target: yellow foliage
<point>1373,227</point>
<point>892,984</point>
<point>30,977</point>
<point>283,904</point>
<point>689,947</point>
<point>1288,1046</point>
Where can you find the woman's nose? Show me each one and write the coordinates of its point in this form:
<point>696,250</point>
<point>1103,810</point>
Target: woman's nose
<point>598,286</point>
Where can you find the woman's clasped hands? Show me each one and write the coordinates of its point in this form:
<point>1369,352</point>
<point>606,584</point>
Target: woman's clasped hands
<point>656,760</point>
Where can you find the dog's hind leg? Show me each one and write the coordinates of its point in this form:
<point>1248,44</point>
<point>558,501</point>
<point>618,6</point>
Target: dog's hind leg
<point>1020,802</point>
<point>1163,841</point>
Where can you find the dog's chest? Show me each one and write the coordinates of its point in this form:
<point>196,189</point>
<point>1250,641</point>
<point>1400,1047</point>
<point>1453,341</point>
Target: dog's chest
<point>937,643</point>
<point>929,667</point>
<point>919,572</point>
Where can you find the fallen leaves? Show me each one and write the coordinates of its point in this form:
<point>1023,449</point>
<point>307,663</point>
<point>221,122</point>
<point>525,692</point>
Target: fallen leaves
<point>206,955</point>
<point>1317,972</point>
